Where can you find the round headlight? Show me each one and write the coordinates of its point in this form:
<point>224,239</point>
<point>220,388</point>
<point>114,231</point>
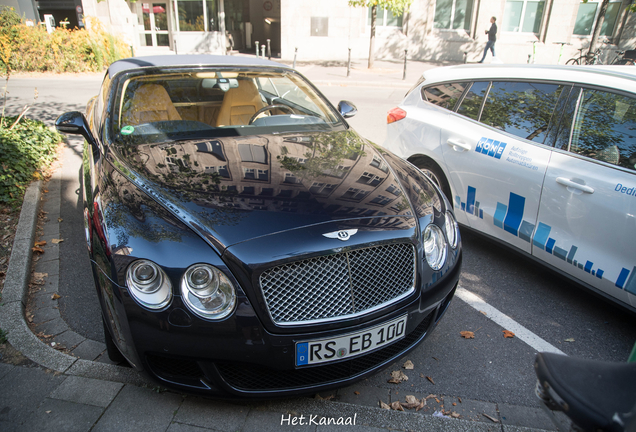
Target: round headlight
<point>148,284</point>
<point>207,291</point>
<point>452,232</point>
<point>434,247</point>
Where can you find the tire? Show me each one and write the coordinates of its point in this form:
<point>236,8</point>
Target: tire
<point>573,61</point>
<point>434,172</point>
<point>111,349</point>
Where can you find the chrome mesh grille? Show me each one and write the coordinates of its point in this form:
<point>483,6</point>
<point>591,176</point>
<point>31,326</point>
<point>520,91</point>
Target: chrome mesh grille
<point>344,284</point>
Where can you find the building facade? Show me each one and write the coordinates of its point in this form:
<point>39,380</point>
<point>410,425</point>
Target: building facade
<point>540,31</point>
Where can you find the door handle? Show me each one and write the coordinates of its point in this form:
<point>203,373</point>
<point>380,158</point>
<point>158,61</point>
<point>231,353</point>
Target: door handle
<point>570,184</point>
<point>458,145</point>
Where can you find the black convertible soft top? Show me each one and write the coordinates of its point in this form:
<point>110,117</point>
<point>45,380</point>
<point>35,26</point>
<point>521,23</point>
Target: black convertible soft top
<point>188,60</point>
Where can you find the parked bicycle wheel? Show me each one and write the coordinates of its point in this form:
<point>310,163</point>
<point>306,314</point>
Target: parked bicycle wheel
<point>573,61</point>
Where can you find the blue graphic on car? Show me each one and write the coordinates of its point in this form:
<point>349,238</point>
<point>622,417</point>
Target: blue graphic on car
<point>490,147</point>
<point>510,218</point>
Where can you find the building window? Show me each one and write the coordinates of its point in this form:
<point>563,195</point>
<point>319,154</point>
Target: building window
<point>385,17</point>
<point>198,15</point>
<point>453,14</point>
<point>370,179</point>
<point>252,153</point>
<point>379,164</point>
<point>587,15</point>
<point>523,16</point>
<point>255,174</point>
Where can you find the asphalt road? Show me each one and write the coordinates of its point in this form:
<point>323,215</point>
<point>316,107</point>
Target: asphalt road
<point>487,368</point>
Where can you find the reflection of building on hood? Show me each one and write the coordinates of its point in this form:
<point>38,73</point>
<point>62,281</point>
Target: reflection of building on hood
<point>291,174</point>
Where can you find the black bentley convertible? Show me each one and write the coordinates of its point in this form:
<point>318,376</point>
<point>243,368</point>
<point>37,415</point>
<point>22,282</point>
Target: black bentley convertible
<point>244,240</point>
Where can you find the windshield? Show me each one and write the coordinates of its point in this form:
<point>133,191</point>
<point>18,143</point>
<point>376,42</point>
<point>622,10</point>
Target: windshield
<point>180,104</point>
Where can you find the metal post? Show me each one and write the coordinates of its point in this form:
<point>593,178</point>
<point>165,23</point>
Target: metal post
<point>256,49</point>
<point>269,50</point>
<point>465,57</point>
<point>349,63</point>
<point>132,51</point>
<point>295,52</point>
<point>263,51</point>
<point>405,56</point>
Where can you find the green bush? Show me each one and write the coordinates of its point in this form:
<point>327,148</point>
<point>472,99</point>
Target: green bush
<point>33,49</point>
<point>25,150</point>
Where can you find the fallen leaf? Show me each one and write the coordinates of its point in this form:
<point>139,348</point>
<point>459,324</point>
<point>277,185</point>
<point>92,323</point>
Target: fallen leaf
<point>492,419</point>
<point>408,365</point>
<point>437,400</point>
<point>37,249</point>
<point>454,414</point>
<point>48,412</point>
<point>459,399</point>
<point>484,313</point>
<point>430,379</point>
<point>397,406</point>
<point>384,406</point>
<point>30,318</point>
<point>569,340</point>
<point>60,219</point>
<point>39,275</point>
<point>40,243</point>
<point>410,399</point>
<point>421,375</point>
<point>454,403</point>
<point>57,241</point>
<point>431,396</point>
<point>508,334</point>
<point>356,392</point>
<point>46,191</point>
<point>55,296</point>
<point>467,334</point>
<point>397,377</point>
<point>421,405</point>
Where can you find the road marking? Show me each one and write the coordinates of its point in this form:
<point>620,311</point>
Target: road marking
<point>506,322</point>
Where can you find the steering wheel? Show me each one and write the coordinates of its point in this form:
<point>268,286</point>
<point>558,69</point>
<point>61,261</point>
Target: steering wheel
<point>268,108</point>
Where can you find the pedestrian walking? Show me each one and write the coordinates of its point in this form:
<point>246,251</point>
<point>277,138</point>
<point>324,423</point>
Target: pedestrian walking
<point>492,38</point>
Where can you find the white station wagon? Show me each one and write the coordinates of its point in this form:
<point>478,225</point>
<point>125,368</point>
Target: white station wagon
<point>542,158</point>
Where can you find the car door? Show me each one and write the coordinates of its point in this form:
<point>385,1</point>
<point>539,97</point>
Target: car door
<point>587,217</point>
<point>493,149</point>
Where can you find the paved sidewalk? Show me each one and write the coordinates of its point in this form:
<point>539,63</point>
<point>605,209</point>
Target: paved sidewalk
<point>76,388</point>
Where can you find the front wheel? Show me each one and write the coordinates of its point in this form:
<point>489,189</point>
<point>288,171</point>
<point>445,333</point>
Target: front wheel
<point>111,349</point>
<point>437,176</point>
<point>573,61</point>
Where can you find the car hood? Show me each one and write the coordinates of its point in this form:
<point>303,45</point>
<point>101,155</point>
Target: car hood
<point>234,189</point>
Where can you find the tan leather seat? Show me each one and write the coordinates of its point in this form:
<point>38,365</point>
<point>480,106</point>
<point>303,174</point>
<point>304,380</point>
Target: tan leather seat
<point>150,103</point>
<point>239,104</point>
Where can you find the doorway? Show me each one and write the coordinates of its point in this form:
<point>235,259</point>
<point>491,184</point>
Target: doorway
<point>154,22</point>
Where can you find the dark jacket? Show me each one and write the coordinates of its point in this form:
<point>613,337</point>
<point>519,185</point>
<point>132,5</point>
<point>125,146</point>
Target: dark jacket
<point>492,33</point>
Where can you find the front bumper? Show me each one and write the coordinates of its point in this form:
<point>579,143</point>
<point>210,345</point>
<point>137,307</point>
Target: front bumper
<point>247,361</point>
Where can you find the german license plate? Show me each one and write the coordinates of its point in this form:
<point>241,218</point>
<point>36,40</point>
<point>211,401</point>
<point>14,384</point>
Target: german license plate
<point>351,345</point>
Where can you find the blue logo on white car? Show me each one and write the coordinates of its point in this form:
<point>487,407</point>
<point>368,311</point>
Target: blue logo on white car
<point>490,147</point>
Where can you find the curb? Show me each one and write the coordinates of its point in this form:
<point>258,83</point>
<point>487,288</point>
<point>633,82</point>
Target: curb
<point>12,309</point>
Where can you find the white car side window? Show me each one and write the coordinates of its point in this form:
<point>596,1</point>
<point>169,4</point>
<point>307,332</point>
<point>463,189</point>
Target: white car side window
<point>605,128</point>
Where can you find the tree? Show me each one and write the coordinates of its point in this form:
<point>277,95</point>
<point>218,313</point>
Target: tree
<point>398,7</point>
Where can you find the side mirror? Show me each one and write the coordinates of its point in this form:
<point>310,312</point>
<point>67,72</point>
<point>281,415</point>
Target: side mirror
<point>74,122</point>
<point>347,109</point>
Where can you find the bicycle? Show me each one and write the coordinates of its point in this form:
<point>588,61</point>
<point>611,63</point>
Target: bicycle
<point>625,58</point>
<point>586,59</point>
